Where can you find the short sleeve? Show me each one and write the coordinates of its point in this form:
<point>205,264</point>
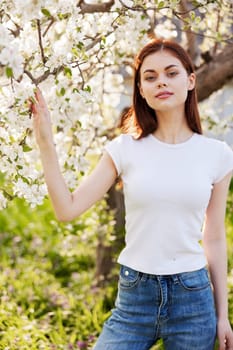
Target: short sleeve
<point>114,149</point>
<point>225,164</point>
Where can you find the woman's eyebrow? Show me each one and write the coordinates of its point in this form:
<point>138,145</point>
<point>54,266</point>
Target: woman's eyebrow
<point>166,68</point>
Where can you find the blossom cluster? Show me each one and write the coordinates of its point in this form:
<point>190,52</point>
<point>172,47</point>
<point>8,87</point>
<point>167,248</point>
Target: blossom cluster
<point>74,58</point>
<point>77,58</point>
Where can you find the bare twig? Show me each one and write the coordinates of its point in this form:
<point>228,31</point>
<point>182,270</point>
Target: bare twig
<point>44,76</point>
<point>226,41</point>
<point>134,8</point>
<point>81,75</point>
<point>52,20</point>
<point>29,74</point>
<point>142,8</point>
<point>193,47</point>
<point>15,32</point>
<point>40,41</point>
<point>186,11</point>
<point>217,28</point>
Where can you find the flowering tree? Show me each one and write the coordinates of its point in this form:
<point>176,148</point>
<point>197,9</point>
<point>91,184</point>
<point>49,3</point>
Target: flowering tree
<point>79,52</point>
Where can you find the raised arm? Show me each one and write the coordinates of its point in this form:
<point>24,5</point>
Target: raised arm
<point>67,205</point>
<point>215,247</point>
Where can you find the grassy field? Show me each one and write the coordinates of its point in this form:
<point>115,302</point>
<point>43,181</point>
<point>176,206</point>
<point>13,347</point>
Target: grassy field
<point>48,292</point>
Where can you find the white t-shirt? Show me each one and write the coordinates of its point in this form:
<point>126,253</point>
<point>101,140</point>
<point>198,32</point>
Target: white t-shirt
<point>167,188</point>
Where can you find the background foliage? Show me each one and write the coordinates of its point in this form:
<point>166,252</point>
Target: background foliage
<point>80,53</point>
<point>54,292</point>
<point>50,297</point>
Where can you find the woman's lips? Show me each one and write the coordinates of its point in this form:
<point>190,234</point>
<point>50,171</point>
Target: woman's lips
<point>164,94</point>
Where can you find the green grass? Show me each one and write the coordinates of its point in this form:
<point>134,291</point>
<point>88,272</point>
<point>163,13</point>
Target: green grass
<point>49,298</point>
<point>48,293</point>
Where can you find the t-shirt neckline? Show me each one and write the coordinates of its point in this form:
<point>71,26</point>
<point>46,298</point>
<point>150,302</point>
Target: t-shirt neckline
<point>173,145</point>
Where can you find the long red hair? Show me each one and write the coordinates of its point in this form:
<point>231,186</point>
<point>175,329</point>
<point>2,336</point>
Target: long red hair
<point>141,119</point>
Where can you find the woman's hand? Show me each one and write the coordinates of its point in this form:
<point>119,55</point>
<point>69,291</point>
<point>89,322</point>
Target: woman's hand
<point>41,119</point>
<point>225,335</point>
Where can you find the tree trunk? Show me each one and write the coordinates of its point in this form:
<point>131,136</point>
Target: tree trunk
<point>105,253</point>
<point>215,73</point>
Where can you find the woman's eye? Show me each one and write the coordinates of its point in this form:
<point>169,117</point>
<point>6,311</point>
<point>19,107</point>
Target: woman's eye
<point>172,73</point>
<point>150,78</point>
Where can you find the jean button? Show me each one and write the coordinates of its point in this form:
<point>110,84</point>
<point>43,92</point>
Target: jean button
<point>126,273</point>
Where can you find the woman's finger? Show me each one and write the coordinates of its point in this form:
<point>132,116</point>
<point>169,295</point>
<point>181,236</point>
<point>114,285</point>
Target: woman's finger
<point>40,98</point>
<point>31,105</point>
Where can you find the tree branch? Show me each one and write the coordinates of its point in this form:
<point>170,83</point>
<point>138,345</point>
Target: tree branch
<point>52,20</point>
<point>213,75</point>
<point>91,8</point>
<point>193,47</point>
<point>40,41</point>
<point>44,76</point>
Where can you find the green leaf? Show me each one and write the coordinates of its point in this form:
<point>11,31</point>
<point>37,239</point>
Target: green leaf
<point>87,88</point>
<point>197,20</point>
<point>80,45</point>
<point>192,15</point>
<point>46,12</point>
<point>7,194</point>
<point>32,98</point>
<point>62,91</point>
<point>25,179</point>
<point>103,40</point>
<point>9,72</point>
<point>161,4</point>
<point>26,148</point>
<point>68,72</point>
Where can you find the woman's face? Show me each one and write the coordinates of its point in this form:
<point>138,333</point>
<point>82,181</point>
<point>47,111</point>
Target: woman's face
<point>164,82</point>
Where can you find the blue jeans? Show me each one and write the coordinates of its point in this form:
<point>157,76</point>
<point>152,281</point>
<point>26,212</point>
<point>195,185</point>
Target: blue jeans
<point>177,308</point>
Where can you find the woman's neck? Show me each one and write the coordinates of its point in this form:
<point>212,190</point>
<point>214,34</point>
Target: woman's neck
<point>172,128</point>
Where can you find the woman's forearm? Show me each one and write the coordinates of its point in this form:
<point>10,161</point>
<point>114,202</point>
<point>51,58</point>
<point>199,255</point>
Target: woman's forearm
<point>217,261</point>
<point>67,205</point>
<point>58,191</point>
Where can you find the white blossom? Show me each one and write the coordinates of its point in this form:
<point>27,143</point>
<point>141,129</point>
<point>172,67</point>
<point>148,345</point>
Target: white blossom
<point>5,36</point>
<point>77,60</point>
<point>10,57</point>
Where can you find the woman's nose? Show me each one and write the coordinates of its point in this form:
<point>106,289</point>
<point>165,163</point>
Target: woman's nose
<point>161,84</point>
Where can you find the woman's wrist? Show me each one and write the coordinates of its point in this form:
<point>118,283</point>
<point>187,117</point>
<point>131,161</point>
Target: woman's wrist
<point>46,144</point>
<point>222,317</point>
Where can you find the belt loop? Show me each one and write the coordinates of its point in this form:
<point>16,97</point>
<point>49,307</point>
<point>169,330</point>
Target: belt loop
<point>174,278</point>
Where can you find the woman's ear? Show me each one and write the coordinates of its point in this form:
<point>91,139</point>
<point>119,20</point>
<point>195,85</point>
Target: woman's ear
<point>191,81</point>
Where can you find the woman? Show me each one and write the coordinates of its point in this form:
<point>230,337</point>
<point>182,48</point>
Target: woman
<point>175,185</point>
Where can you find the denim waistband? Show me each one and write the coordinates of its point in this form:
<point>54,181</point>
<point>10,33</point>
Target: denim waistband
<point>172,277</point>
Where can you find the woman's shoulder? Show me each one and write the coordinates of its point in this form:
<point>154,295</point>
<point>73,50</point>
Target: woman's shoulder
<point>216,150</point>
<point>211,142</point>
<point>124,139</point>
